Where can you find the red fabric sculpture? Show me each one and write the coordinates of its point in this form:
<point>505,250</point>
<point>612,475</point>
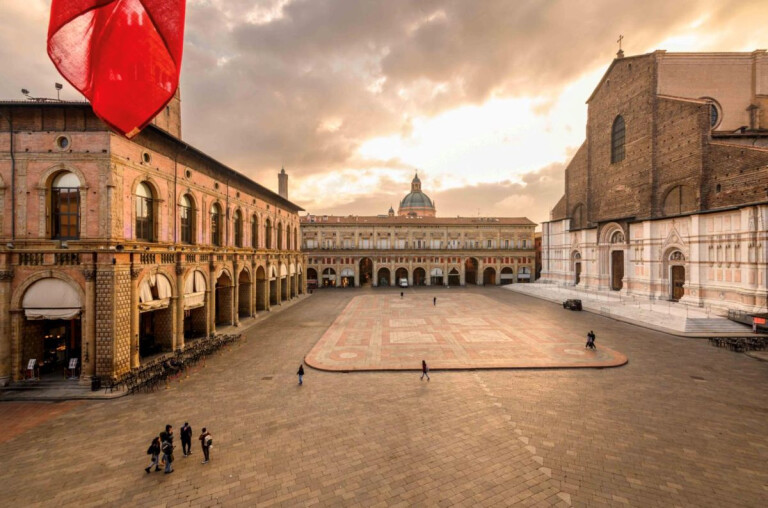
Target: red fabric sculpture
<point>123,55</point>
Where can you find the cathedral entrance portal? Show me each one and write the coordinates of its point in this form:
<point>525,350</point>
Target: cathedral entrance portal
<point>617,269</point>
<point>678,281</point>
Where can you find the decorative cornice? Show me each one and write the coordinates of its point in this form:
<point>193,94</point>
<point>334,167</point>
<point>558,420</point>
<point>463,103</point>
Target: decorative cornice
<point>135,272</point>
<point>89,274</point>
<point>179,270</point>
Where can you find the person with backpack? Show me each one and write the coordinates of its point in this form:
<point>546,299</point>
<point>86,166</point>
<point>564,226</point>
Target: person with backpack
<point>186,439</point>
<point>154,455</point>
<point>206,441</point>
<point>166,446</point>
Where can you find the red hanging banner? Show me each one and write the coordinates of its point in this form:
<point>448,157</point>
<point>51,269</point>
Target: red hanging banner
<point>124,56</point>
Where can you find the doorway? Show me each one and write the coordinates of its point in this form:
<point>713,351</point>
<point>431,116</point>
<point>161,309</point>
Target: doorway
<point>617,270</point>
<point>678,281</point>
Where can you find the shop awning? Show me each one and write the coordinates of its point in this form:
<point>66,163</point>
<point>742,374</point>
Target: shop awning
<point>194,290</point>
<point>51,299</point>
<point>155,293</point>
<point>347,272</point>
<point>437,272</point>
<point>292,269</point>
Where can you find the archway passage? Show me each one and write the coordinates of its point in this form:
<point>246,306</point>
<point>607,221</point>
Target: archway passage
<point>155,318</point>
<point>489,276</point>
<point>678,282</point>
<point>329,277</point>
<point>366,272</point>
<point>312,278</point>
<point>383,277</point>
<point>454,277</point>
<point>261,289</point>
<point>617,269</point>
<point>507,275</point>
<point>470,271</point>
<point>224,300</point>
<point>244,294</point>
<point>292,278</point>
<point>195,306</point>
<point>436,277</point>
<point>347,277</point>
<point>401,276</point>
<point>419,277</point>
<point>51,332</point>
<point>577,272</point>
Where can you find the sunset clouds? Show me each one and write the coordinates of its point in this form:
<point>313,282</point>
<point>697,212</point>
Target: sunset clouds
<point>485,99</point>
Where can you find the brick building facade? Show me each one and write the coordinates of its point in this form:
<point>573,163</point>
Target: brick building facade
<point>668,196</point>
<point>422,250</point>
<point>113,250</point>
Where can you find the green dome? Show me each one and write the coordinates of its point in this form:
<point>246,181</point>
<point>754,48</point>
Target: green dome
<point>416,199</point>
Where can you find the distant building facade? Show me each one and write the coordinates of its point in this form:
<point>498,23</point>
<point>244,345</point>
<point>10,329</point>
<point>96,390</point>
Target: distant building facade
<point>113,250</point>
<point>422,250</point>
<point>668,196</point>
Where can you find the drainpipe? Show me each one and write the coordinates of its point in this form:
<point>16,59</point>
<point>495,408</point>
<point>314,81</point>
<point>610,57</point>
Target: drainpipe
<point>9,118</point>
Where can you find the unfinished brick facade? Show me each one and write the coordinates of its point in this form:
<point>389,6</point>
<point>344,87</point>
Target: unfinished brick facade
<point>683,182</point>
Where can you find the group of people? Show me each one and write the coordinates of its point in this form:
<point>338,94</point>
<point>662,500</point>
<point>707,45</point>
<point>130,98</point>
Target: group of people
<point>163,445</point>
<point>590,340</point>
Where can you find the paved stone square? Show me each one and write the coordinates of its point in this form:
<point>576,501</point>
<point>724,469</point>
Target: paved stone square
<point>681,424</point>
<point>461,330</point>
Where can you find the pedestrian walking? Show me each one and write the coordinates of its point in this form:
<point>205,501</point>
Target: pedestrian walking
<point>591,340</point>
<point>186,439</point>
<point>401,295</point>
<point>300,373</point>
<point>424,370</point>
<point>206,441</point>
<point>154,455</point>
<point>434,301</point>
<point>166,446</point>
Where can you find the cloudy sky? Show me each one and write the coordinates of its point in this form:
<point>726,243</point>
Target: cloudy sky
<point>484,98</point>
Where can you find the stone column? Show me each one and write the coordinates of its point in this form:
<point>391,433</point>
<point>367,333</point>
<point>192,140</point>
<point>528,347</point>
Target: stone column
<point>5,327</point>
<point>178,314</point>
<point>88,340</point>
<point>210,298</point>
<point>135,317</point>
<point>463,272</point>
<point>235,296</point>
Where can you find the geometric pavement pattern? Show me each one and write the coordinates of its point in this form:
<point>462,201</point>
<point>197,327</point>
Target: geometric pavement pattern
<point>463,331</point>
<point>683,424</point>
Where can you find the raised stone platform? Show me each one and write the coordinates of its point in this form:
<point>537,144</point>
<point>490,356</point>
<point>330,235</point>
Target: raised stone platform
<point>463,331</point>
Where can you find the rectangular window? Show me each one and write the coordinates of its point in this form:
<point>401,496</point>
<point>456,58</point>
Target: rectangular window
<point>186,224</point>
<point>66,213</point>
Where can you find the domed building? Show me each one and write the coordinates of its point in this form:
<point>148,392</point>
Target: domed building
<point>416,203</point>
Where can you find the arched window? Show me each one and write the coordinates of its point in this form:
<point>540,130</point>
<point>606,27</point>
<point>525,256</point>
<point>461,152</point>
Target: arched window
<point>216,224</point>
<point>187,218</point>
<point>618,134</point>
<point>268,233</point>
<point>238,228</point>
<point>288,237</point>
<point>65,207</point>
<point>255,231</point>
<point>279,236</point>
<point>145,213</point>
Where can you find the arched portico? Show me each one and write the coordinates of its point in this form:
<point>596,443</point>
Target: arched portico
<point>383,277</point>
<point>470,271</point>
<point>224,314</point>
<point>195,305</point>
<point>261,289</point>
<point>489,276</point>
<point>245,291</point>
<point>507,275</point>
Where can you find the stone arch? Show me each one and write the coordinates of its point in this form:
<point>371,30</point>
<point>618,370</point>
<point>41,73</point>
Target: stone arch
<point>224,301</point>
<point>608,231</point>
<point>679,199</point>
<point>419,276</point>
<point>18,294</point>
<point>46,177</point>
<point>262,284</point>
<point>244,292</point>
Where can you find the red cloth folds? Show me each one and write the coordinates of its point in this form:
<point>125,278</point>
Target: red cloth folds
<point>123,55</point>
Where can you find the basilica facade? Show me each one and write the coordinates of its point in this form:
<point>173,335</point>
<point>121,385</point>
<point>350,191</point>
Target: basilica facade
<point>667,198</point>
<point>115,250</point>
<point>416,248</point>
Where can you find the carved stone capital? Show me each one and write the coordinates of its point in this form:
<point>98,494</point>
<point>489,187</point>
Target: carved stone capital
<point>89,274</point>
<point>179,270</point>
<point>6,275</point>
<point>135,272</point>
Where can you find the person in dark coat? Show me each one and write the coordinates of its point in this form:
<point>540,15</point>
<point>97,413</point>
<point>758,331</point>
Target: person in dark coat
<point>424,370</point>
<point>434,301</point>
<point>154,455</point>
<point>166,446</point>
<point>186,439</point>
<point>206,441</point>
<point>300,373</point>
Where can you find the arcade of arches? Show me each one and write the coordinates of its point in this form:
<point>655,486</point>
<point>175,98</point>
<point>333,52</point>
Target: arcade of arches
<point>55,314</point>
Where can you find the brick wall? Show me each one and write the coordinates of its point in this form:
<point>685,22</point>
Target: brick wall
<point>224,304</point>
<point>122,315</point>
<point>624,188</point>
<point>164,328</point>
<point>105,303</point>
<point>576,181</point>
<point>741,172</point>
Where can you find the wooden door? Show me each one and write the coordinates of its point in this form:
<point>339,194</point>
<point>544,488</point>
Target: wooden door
<point>617,269</point>
<point>678,281</point>
<point>578,273</point>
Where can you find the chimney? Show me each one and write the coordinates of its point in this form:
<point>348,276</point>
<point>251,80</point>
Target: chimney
<point>282,184</point>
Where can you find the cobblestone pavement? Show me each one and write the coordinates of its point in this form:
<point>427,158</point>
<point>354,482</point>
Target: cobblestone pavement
<point>386,331</point>
<point>683,423</point>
